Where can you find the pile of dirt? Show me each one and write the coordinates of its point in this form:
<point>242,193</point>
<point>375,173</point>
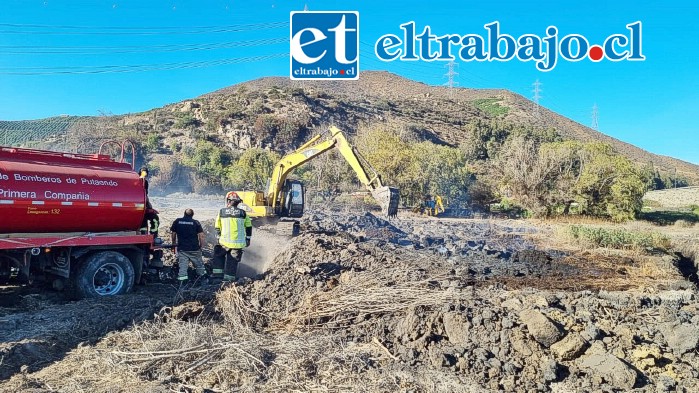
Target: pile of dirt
<point>426,316</point>
<point>366,226</point>
<point>384,312</point>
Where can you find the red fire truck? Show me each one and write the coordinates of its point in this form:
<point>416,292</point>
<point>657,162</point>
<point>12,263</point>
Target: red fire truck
<point>72,219</point>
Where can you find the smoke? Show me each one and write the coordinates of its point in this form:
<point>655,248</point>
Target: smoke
<point>264,246</point>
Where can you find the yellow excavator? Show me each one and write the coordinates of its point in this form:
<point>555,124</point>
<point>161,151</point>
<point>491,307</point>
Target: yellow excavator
<point>284,198</point>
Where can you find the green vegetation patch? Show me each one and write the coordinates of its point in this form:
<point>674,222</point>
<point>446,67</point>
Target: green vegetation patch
<point>617,238</point>
<point>491,106</point>
<point>14,133</point>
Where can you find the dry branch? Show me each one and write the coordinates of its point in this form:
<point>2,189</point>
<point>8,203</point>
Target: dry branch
<point>383,347</point>
<point>364,295</point>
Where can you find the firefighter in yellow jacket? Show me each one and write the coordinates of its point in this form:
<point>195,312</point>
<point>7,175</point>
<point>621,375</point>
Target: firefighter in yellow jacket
<point>234,231</point>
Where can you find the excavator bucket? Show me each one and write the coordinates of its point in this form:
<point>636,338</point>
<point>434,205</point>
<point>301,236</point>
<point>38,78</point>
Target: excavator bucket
<point>388,198</point>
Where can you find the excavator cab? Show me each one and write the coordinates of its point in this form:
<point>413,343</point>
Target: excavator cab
<point>293,194</point>
<point>289,207</point>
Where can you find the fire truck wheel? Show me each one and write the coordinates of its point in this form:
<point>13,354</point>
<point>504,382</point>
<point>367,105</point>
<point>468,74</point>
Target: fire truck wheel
<point>104,273</point>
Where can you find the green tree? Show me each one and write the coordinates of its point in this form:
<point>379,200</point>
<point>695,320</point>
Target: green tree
<point>530,175</point>
<point>609,184</point>
<point>329,171</point>
<point>416,168</point>
<point>441,170</point>
<point>485,139</point>
<point>391,157</point>
<point>547,178</point>
<point>210,162</point>
<point>252,170</point>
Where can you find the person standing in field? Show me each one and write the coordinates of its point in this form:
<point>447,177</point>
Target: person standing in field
<point>188,238</point>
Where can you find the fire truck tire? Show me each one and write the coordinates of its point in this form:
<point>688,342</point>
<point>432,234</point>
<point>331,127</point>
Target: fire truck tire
<point>104,273</point>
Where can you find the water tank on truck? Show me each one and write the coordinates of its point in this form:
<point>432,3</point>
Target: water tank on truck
<point>73,219</point>
<point>42,192</point>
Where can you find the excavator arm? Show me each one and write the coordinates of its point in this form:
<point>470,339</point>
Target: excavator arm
<point>291,161</point>
<point>387,197</point>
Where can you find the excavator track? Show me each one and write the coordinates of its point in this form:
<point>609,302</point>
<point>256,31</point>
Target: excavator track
<point>288,228</point>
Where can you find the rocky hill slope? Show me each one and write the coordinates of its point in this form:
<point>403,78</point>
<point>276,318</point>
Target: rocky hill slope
<point>279,114</point>
<point>442,113</point>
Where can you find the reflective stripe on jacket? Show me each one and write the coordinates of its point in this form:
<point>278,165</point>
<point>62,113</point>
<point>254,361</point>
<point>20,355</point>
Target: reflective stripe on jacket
<point>234,225</point>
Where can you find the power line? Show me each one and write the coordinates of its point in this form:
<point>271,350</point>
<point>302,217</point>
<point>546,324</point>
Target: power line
<point>413,64</point>
<point>450,76</point>
<point>88,30</point>
<point>537,96</point>
<point>141,28</point>
<point>595,117</point>
<point>81,50</point>
<point>109,69</point>
<point>83,27</point>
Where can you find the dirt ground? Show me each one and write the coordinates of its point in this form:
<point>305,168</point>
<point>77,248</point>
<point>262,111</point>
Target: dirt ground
<point>360,304</point>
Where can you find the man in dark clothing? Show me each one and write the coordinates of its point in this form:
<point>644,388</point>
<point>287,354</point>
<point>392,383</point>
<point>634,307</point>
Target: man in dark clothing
<point>234,231</point>
<point>188,236</point>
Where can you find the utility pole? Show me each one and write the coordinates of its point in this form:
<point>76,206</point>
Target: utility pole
<point>595,118</point>
<point>674,180</point>
<point>537,96</point>
<point>450,76</point>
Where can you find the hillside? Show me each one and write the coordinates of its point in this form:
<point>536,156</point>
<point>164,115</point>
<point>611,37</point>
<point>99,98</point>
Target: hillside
<point>442,112</point>
<point>279,113</point>
<point>13,133</point>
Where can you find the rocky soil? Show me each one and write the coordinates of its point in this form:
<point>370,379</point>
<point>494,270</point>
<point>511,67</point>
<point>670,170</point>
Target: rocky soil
<point>357,303</point>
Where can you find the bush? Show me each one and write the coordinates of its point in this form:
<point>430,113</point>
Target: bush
<point>491,106</point>
<point>197,134</point>
<point>187,120</point>
<point>152,142</point>
<point>209,161</point>
<point>202,185</point>
<point>617,238</point>
<point>276,132</point>
<point>665,217</point>
<point>481,194</point>
<point>542,177</point>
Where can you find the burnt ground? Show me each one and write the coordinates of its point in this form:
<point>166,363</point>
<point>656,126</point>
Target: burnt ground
<point>38,327</point>
<point>357,303</point>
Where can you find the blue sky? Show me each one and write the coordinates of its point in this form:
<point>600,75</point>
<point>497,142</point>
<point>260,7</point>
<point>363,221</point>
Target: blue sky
<point>123,56</point>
